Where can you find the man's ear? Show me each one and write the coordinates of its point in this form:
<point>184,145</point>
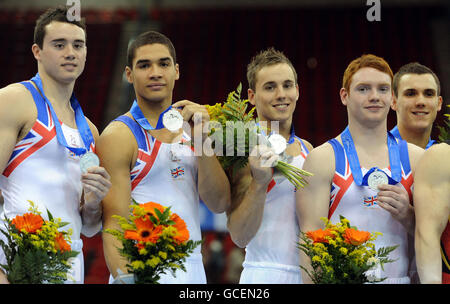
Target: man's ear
<point>439,103</point>
<point>36,50</point>
<point>129,74</point>
<point>394,105</point>
<point>177,70</point>
<point>344,95</point>
<point>251,96</point>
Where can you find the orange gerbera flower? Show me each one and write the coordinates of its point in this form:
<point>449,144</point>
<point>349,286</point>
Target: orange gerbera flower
<point>145,231</point>
<point>29,222</point>
<point>356,237</point>
<point>182,231</point>
<point>61,244</point>
<point>320,236</point>
<point>150,208</point>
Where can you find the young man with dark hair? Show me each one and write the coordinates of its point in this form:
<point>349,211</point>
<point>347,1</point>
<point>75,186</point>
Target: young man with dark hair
<point>417,99</point>
<point>365,174</point>
<point>149,152</point>
<point>44,135</point>
<point>262,214</point>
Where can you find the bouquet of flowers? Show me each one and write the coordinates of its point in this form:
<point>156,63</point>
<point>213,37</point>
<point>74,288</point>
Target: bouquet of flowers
<point>36,252</point>
<point>232,120</point>
<point>342,254</point>
<point>154,240</point>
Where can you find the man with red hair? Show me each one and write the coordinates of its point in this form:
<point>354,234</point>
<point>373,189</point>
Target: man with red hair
<point>369,174</point>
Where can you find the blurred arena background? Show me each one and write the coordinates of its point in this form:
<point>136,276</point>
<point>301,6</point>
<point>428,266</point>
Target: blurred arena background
<point>215,40</point>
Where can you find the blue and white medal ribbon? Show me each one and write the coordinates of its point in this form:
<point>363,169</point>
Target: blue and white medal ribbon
<point>170,119</point>
<point>396,133</point>
<point>375,175</point>
<point>82,125</point>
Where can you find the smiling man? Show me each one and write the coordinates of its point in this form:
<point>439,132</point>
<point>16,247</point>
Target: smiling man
<point>148,162</point>
<point>416,101</point>
<point>262,214</point>
<point>345,167</point>
<point>44,133</point>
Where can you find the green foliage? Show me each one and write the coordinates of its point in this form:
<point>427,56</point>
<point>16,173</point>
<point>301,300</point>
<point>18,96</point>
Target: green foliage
<point>444,132</point>
<point>175,259</point>
<point>237,123</point>
<point>26,264</point>
<point>148,259</point>
<point>336,260</point>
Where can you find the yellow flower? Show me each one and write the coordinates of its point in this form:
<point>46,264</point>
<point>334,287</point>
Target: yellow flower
<point>320,246</point>
<point>137,265</point>
<point>343,250</point>
<point>143,251</point>
<point>153,262</point>
<point>345,222</point>
<point>214,111</point>
<point>163,255</point>
<point>316,258</point>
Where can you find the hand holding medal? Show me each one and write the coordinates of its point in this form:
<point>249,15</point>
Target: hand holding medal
<point>192,112</point>
<point>87,161</point>
<point>395,199</point>
<point>277,143</point>
<point>197,115</point>
<point>172,120</point>
<point>376,178</point>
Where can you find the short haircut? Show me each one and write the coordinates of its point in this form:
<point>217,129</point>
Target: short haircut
<point>150,37</point>
<point>413,68</point>
<point>266,58</point>
<point>365,61</point>
<point>58,14</point>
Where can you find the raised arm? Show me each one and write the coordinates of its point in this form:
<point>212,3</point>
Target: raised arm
<point>213,184</point>
<point>432,208</point>
<point>313,201</point>
<point>116,148</point>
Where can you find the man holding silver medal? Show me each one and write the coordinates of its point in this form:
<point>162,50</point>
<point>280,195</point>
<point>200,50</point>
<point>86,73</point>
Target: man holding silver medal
<point>37,118</point>
<point>155,161</point>
<point>365,174</point>
<point>262,214</point>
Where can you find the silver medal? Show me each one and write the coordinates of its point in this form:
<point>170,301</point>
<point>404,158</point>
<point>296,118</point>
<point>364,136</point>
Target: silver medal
<point>88,160</point>
<point>277,143</point>
<point>377,178</point>
<point>172,120</point>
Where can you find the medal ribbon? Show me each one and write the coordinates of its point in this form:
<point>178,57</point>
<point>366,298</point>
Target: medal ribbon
<point>396,133</point>
<point>366,177</point>
<point>82,125</point>
<point>137,114</point>
<point>394,159</point>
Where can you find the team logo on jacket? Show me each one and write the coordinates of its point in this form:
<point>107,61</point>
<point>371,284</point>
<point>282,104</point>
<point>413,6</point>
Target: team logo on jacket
<point>370,201</point>
<point>177,172</point>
